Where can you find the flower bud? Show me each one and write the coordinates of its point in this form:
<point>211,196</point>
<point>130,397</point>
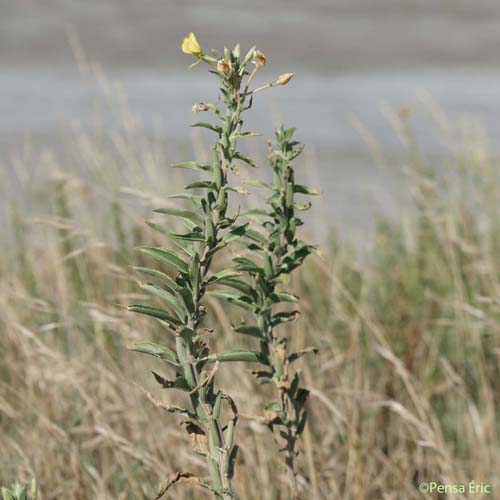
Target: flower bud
<point>283,79</point>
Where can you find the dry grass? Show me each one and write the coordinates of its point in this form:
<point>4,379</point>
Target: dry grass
<point>405,388</point>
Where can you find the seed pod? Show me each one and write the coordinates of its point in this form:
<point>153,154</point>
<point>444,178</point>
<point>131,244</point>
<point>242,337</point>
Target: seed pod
<point>209,229</point>
<point>268,266</point>
<point>216,166</point>
<point>289,195</point>
<point>194,274</point>
<point>217,405</point>
<point>221,203</point>
<point>229,434</point>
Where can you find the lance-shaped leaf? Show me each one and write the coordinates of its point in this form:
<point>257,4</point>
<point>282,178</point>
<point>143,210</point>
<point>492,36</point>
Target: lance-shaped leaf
<point>154,273</point>
<point>247,355</point>
<point>246,264</point>
<point>299,188</point>
<point>257,212</point>
<point>195,199</point>
<point>259,184</point>
<point>302,423</point>
<point>245,158</point>
<point>221,275</point>
<point>232,461</point>
<point>185,214</point>
<point>283,297</point>
<point>284,317</point>
<point>195,235</point>
<point>239,300</point>
<point>155,312</point>
<point>238,285</point>
<point>158,351</point>
<point>183,245</point>
<point>171,299</point>
<point>210,126</point>
<point>192,165</point>
<point>252,330</point>
<point>167,257</point>
<point>201,185</point>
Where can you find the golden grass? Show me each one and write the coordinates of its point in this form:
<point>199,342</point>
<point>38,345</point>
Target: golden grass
<point>405,388</point>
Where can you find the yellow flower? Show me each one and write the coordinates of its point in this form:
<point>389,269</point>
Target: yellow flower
<point>259,59</point>
<point>224,66</point>
<point>191,46</point>
<point>283,79</point>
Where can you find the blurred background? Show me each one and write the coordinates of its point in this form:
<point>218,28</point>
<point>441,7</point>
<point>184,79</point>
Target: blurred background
<point>397,102</point>
<point>357,63</point>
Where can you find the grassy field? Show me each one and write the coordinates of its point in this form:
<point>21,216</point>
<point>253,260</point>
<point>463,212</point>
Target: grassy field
<point>405,388</point>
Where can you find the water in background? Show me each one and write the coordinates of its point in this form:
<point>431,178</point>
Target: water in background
<point>357,62</point>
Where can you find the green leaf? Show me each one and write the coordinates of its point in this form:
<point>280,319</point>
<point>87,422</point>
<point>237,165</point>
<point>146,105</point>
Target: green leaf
<point>247,355</point>
<point>302,423</point>
<point>168,297</point>
<point>192,165</point>
<point>195,199</point>
<point>252,330</point>
<point>238,285</point>
<point>166,256</point>
<point>246,264</point>
<point>158,351</point>
<point>257,211</point>
<point>246,159</point>
<point>187,298</point>
<point>210,126</point>
<point>259,184</point>
<point>288,133</point>
<point>154,273</point>
<point>191,236</point>
<point>221,275</point>
<point>299,188</point>
<point>256,236</point>
<point>154,312</point>
<point>184,245</point>
<point>201,185</point>
<point>185,214</point>
<point>232,461</point>
<point>283,297</point>
<point>245,230</point>
<point>284,317</point>
<point>239,300</point>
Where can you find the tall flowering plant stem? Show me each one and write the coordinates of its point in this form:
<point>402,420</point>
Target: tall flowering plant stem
<point>275,252</point>
<point>186,275</point>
